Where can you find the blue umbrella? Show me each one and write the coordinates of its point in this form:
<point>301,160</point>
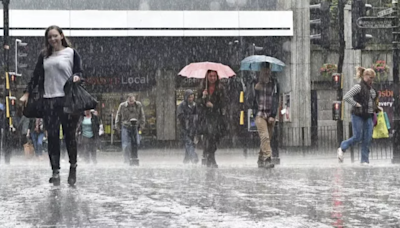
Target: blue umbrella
<point>253,63</point>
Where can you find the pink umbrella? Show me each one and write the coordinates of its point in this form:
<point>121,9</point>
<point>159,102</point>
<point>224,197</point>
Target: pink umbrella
<point>199,70</point>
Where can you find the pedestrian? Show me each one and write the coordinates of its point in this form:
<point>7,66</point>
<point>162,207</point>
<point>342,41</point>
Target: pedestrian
<point>128,110</point>
<point>187,116</point>
<point>364,101</point>
<point>88,131</point>
<point>36,133</point>
<point>265,108</point>
<point>21,127</point>
<point>57,63</point>
<point>211,101</point>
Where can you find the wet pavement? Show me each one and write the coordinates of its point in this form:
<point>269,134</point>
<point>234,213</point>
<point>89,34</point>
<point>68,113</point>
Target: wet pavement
<point>162,192</point>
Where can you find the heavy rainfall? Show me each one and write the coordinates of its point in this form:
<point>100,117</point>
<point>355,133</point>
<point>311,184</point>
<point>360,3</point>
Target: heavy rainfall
<point>200,113</point>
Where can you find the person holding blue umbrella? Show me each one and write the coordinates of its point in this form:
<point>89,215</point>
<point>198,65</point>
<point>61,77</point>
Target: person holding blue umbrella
<point>266,104</point>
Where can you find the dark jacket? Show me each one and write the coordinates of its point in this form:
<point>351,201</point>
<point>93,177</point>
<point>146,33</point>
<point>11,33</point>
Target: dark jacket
<point>32,125</point>
<point>363,98</point>
<point>95,126</point>
<point>187,116</point>
<point>37,78</point>
<point>212,121</point>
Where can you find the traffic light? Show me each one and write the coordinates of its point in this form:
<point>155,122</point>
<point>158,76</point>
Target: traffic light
<point>20,56</point>
<point>11,106</point>
<point>337,110</point>
<point>320,23</point>
<point>337,81</point>
<point>359,9</point>
<point>13,82</point>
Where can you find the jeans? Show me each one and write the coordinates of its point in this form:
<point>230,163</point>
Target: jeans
<point>89,149</point>
<point>126,140</point>
<point>190,153</point>
<point>53,117</point>
<point>37,140</point>
<point>362,131</point>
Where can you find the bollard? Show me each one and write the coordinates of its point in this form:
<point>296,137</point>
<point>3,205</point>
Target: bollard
<point>275,145</point>
<point>134,160</point>
<point>351,148</point>
<point>303,142</point>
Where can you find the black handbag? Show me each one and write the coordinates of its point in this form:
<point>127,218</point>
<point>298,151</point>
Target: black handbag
<point>34,106</point>
<point>77,99</point>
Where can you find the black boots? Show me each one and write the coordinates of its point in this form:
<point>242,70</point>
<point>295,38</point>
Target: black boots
<point>134,162</point>
<point>72,175</point>
<point>55,178</point>
<point>211,163</point>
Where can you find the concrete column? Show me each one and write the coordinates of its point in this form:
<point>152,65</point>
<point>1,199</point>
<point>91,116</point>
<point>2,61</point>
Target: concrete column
<point>165,103</point>
<point>351,61</point>
<point>300,65</point>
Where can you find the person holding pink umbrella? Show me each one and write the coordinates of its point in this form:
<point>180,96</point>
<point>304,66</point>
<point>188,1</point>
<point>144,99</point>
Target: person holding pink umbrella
<point>211,102</point>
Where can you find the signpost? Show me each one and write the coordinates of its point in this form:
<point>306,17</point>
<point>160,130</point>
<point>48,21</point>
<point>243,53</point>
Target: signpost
<point>375,22</point>
<point>385,12</point>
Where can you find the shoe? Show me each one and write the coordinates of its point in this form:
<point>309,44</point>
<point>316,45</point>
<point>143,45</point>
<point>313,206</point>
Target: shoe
<point>195,161</point>
<point>260,162</point>
<point>212,165</point>
<point>268,163</point>
<point>72,175</point>
<point>55,178</point>
<point>340,154</point>
<point>134,162</point>
<point>365,163</point>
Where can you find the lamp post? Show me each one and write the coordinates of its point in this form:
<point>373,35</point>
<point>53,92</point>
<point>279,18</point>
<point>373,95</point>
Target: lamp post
<point>396,95</point>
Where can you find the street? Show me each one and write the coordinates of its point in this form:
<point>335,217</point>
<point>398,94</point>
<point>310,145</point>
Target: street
<point>162,192</point>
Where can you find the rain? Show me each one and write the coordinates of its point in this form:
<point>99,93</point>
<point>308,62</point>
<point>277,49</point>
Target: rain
<point>200,113</point>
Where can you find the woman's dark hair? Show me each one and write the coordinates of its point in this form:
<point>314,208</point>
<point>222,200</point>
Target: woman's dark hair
<point>204,81</point>
<point>48,50</point>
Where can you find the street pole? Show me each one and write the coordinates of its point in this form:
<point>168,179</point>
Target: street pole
<point>6,47</point>
<point>396,86</point>
<point>342,46</point>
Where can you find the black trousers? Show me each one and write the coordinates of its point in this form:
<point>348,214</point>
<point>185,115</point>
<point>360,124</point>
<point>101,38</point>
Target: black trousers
<point>54,116</point>
<point>210,147</point>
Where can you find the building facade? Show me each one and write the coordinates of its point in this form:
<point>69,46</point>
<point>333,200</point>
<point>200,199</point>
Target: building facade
<point>140,46</point>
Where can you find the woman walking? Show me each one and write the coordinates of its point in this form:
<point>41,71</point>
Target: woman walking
<point>364,101</point>
<point>36,133</point>
<point>211,103</point>
<point>56,64</point>
<point>88,130</point>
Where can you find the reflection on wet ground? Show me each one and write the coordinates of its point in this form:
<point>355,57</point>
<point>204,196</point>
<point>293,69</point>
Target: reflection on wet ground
<point>298,193</point>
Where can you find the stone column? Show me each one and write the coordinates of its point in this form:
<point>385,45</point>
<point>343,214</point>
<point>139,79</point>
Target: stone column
<point>352,59</point>
<point>300,66</point>
<point>166,106</point>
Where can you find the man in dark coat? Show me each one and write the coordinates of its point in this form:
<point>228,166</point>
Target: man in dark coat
<point>187,116</point>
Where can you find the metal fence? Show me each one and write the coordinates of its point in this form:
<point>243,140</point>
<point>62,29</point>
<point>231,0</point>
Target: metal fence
<point>303,141</point>
<point>324,141</point>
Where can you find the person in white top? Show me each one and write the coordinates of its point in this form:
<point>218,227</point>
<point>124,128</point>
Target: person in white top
<point>56,64</point>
